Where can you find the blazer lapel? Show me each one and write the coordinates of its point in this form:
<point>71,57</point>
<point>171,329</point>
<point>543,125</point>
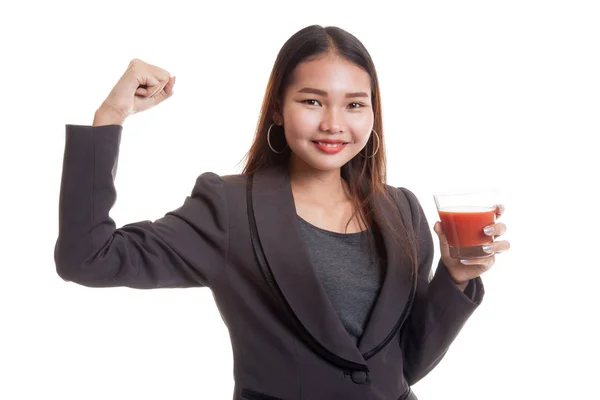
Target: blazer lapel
<point>394,297</point>
<point>289,261</point>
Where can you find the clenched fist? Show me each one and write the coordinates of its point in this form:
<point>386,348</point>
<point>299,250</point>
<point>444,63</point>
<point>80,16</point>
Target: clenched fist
<point>141,87</point>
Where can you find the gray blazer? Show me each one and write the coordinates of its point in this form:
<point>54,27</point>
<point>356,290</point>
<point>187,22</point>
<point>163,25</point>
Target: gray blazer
<point>239,236</point>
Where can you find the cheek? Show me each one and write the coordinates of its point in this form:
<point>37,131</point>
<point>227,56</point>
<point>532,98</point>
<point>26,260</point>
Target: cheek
<point>362,128</point>
<point>300,123</point>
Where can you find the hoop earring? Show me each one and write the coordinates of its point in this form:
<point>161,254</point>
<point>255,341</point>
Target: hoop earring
<point>269,142</point>
<point>377,149</point>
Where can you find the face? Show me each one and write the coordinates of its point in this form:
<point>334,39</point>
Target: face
<point>327,113</point>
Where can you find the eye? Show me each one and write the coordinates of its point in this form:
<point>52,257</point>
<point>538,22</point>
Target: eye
<point>356,105</point>
<point>311,102</point>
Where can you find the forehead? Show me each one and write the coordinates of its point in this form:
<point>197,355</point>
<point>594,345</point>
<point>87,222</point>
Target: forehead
<point>331,73</point>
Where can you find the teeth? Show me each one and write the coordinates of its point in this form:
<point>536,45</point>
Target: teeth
<point>331,144</point>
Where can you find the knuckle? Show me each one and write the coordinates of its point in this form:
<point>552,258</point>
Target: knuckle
<point>163,75</point>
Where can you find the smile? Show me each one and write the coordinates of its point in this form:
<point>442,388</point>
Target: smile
<point>331,144</point>
<point>330,147</point>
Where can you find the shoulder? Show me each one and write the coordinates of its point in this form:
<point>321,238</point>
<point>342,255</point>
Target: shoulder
<point>210,178</point>
<point>408,204</point>
<point>405,197</point>
<point>220,188</point>
<point>235,179</point>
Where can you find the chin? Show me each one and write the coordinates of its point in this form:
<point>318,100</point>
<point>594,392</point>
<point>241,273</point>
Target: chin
<point>324,167</point>
<point>325,163</point>
<point>317,160</point>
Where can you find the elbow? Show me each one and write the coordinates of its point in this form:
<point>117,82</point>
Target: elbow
<point>70,267</point>
<point>61,261</point>
<point>65,272</point>
<point>415,371</point>
<point>66,267</point>
<point>409,377</point>
<point>78,273</point>
<point>413,376</point>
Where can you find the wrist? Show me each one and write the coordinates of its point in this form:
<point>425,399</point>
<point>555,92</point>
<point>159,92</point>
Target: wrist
<point>108,115</point>
<point>462,284</point>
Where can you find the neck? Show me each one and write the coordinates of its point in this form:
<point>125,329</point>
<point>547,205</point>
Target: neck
<point>323,187</point>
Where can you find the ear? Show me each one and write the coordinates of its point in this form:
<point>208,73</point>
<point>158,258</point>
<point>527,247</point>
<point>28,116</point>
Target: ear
<point>277,118</point>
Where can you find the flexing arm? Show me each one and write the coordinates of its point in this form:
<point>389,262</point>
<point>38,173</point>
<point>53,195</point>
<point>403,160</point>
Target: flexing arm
<point>187,247</point>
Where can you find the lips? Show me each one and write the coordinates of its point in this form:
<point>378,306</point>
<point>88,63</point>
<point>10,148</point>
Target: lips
<point>330,146</point>
<point>329,142</point>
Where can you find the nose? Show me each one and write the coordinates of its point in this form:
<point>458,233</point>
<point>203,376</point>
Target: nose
<point>333,121</point>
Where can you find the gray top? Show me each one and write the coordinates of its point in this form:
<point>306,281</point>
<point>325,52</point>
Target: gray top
<point>349,272</point>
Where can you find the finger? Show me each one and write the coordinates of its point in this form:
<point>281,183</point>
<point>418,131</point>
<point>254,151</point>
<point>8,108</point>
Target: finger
<point>169,87</point>
<point>163,94</point>
<point>161,76</point>
<point>484,262</point>
<point>141,91</point>
<point>154,81</point>
<point>496,247</point>
<point>437,228</point>
<point>157,86</point>
<point>500,209</point>
<point>148,82</point>
<point>497,229</point>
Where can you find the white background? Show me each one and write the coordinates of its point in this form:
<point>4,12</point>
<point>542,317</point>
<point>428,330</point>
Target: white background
<point>475,94</point>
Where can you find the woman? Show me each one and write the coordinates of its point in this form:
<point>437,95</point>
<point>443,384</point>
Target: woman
<point>320,270</point>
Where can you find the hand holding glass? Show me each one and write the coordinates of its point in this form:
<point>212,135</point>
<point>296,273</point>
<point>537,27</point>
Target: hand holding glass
<point>463,217</point>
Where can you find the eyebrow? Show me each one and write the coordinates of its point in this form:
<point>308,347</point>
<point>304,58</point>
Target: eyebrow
<point>324,93</point>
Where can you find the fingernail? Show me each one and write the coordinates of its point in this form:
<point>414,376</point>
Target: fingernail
<point>467,262</point>
<point>487,248</point>
<point>488,230</point>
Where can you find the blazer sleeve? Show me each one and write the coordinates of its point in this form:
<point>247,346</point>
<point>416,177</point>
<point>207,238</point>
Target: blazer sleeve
<point>440,308</point>
<point>185,248</point>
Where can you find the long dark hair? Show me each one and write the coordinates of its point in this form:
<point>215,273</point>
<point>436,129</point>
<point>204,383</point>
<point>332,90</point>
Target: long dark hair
<point>365,175</point>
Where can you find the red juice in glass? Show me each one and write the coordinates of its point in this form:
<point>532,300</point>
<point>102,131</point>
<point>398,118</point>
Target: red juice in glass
<point>463,217</point>
<point>463,227</point>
